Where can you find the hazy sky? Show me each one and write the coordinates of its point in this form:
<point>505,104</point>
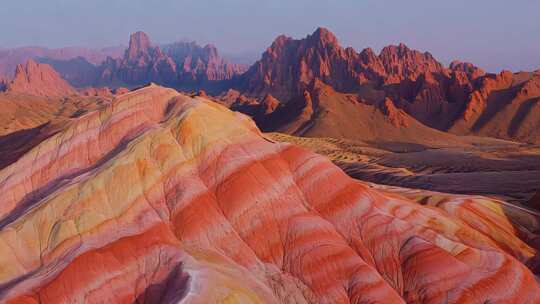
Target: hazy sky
<point>494,34</point>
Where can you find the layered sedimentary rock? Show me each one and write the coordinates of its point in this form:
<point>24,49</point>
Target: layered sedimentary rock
<point>26,120</point>
<point>162,197</point>
<point>40,80</point>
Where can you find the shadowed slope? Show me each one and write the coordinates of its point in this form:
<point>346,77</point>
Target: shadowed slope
<point>164,196</point>
<point>26,120</point>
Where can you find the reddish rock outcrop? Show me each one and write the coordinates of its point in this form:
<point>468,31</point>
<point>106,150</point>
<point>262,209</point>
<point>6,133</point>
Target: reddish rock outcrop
<point>447,99</point>
<point>121,90</point>
<point>142,63</point>
<point>473,72</point>
<point>395,116</point>
<point>289,66</point>
<point>504,106</point>
<point>414,80</point>
<point>97,92</point>
<point>198,63</point>
<point>402,63</point>
<point>164,197</point>
<point>478,99</point>
<point>269,104</point>
<point>40,80</point>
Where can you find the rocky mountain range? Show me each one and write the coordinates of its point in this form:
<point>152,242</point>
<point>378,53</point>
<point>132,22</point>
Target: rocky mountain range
<point>455,99</point>
<point>10,58</point>
<point>181,65</point>
<point>282,90</point>
<point>404,84</point>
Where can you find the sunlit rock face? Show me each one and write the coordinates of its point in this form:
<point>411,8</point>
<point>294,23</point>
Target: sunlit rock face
<point>38,79</point>
<point>164,198</point>
<point>461,98</point>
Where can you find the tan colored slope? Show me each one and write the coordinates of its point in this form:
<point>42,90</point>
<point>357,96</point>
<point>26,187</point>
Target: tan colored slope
<point>497,169</point>
<point>161,197</point>
<point>348,117</point>
<point>26,120</point>
<point>23,111</point>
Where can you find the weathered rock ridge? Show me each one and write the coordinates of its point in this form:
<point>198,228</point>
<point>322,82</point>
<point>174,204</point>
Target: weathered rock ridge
<point>455,98</point>
<point>182,65</point>
<point>38,79</point>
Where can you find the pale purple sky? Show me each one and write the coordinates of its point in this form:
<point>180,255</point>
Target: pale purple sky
<point>494,34</point>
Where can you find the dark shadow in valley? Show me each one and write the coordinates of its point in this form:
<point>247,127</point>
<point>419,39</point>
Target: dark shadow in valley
<point>171,290</point>
<point>16,144</point>
<point>524,109</point>
<point>497,101</point>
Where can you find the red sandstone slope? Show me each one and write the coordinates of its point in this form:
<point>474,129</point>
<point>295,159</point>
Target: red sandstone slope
<point>164,197</point>
<point>40,80</point>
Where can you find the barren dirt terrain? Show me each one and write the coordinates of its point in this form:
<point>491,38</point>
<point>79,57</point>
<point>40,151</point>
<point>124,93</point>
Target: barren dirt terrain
<point>504,170</point>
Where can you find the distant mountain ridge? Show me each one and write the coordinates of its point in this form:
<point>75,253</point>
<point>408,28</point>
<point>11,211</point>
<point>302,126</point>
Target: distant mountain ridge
<point>180,64</point>
<point>454,98</point>
<point>183,65</point>
<point>10,58</point>
<point>399,82</point>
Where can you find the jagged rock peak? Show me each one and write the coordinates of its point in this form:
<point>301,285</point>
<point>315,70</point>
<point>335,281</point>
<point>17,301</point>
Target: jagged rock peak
<point>324,36</point>
<point>38,79</point>
<point>467,68</point>
<point>139,44</point>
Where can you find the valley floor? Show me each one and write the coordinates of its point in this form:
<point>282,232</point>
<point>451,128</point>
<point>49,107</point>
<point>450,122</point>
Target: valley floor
<point>506,170</point>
